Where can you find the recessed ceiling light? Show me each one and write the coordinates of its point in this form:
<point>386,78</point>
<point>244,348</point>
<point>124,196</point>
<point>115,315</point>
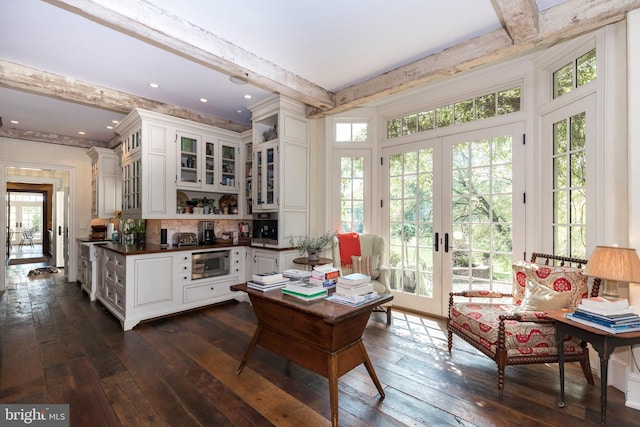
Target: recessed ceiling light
<point>247,96</point>
<point>15,122</point>
<point>115,121</point>
<point>81,132</point>
<point>239,111</point>
<point>154,85</point>
<point>239,80</point>
<point>203,99</point>
<point>109,127</point>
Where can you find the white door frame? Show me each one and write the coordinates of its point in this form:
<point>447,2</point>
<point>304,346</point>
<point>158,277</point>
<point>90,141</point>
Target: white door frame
<point>70,268</point>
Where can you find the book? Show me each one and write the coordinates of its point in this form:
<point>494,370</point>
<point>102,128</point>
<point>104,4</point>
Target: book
<point>303,297</point>
<point>605,311</point>
<point>295,274</point>
<point>304,288</point>
<point>270,277</point>
<point>336,298</point>
<point>620,329</point>
<point>326,272</point>
<point>608,303</point>
<point>355,290</point>
<point>266,288</point>
<point>353,299</point>
<point>354,279</point>
<point>607,320</point>
<point>327,283</point>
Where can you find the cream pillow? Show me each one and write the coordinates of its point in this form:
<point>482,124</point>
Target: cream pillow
<point>541,298</point>
<point>366,265</point>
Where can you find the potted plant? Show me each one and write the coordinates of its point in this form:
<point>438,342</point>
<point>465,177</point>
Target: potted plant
<point>313,246</point>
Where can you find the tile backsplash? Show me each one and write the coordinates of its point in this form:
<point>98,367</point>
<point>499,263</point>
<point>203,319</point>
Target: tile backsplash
<point>173,226</point>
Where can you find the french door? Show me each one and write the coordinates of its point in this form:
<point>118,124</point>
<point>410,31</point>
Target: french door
<point>455,215</point>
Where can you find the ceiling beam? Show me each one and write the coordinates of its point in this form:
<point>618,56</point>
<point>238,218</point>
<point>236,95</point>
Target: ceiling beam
<point>556,24</point>
<point>154,25</point>
<point>519,17</point>
<point>21,77</point>
<point>50,138</point>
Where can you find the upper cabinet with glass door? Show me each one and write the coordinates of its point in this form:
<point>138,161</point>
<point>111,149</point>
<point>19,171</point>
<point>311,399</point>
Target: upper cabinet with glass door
<point>207,163</point>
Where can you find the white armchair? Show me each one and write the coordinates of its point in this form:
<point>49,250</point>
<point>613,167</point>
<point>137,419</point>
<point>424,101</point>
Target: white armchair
<point>371,250</point>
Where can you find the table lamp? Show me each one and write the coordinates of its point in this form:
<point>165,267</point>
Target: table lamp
<point>613,264</point>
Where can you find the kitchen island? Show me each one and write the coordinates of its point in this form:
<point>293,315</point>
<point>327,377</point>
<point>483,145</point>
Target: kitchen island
<point>143,282</point>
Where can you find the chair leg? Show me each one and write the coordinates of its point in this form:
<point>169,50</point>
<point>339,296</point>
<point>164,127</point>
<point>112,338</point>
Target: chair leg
<point>585,364</point>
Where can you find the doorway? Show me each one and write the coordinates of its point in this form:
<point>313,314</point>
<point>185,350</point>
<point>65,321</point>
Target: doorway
<point>455,214</point>
<point>49,179</point>
<point>29,218</point>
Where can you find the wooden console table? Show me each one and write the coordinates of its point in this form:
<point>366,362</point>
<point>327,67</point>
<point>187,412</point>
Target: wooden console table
<point>322,336</point>
<point>603,342</point>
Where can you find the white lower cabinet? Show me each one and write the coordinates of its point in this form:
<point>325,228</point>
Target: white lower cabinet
<point>141,287</point>
<point>267,260</point>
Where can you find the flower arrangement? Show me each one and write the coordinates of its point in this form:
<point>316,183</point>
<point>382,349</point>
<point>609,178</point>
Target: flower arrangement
<point>313,245</point>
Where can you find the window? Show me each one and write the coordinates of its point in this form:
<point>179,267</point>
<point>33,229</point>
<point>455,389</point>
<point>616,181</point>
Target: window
<point>569,186</point>
<point>463,111</point>
<point>352,194</point>
<point>574,74</point>
<point>351,132</point>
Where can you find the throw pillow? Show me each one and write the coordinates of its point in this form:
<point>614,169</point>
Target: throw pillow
<point>366,264</point>
<point>541,298</point>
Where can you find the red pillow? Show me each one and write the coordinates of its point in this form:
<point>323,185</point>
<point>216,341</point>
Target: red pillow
<point>349,246</point>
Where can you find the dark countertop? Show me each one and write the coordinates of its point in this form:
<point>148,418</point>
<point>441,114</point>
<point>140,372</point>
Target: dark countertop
<point>148,248</point>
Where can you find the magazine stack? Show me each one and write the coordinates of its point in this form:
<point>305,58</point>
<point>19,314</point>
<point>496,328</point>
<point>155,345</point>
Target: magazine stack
<point>296,274</point>
<point>267,281</point>
<point>613,315</point>
<point>354,289</point>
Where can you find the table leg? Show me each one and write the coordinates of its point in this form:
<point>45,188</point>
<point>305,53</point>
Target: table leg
<point>369,366</point>
<point>604,367</point>
<point>247,354</point>
<point>560,347</point>
<point>333,388</point>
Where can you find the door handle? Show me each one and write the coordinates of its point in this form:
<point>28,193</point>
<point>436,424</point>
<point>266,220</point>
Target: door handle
<point>436,242</point>
<point>59,230</point>
<point>446,242</point>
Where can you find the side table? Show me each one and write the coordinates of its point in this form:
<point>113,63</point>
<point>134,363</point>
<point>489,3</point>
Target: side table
<point>602,341</point>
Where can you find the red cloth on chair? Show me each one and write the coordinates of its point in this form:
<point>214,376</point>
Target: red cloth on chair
<point>349,245</point>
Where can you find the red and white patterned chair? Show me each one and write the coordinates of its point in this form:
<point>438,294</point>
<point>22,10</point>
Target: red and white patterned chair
<point>518,332</point>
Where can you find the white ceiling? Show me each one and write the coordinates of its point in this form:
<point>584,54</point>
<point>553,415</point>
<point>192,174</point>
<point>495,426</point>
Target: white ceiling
<point>332,43</point>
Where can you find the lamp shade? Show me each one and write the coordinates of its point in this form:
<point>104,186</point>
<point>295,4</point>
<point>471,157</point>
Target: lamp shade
<point>613,263</point>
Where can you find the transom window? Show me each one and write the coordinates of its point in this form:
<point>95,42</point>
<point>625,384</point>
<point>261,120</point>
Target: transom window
<point>351,132</point>
<point>574,74</point>
<point>463,111</point>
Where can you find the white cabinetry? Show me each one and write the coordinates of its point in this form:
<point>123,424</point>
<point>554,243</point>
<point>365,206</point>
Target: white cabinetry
<point>145,286</point>
<point>207,163</point>
<point>265,260</point>
<point>281,165</point>
<point>148,190</point>
<point>106,183</point>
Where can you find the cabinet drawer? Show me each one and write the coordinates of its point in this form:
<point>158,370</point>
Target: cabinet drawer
<point>115,297</point>
<point>193,293</point>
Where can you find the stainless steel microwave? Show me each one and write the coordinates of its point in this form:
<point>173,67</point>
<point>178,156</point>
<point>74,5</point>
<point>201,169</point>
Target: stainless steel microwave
<point>210,264</point>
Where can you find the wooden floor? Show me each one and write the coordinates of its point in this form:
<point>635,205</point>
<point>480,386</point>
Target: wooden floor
<point>58,347</point>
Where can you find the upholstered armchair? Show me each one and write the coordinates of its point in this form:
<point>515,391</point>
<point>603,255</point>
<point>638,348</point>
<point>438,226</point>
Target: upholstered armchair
<point>513,329</point>
<point>371,262</point>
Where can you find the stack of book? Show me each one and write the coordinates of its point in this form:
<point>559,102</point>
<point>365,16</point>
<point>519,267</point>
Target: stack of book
<point>295,274</point>
<point>304,291</point>
<point>612,315</point>
<point>353,289</point>
<point>267,281</point>
<point>325,275</point>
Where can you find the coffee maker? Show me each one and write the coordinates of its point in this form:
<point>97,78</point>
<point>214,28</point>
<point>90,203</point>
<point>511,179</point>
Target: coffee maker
<point>206,235</point>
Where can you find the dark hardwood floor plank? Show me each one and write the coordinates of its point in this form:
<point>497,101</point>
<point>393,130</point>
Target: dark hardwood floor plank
<point>58,347</point>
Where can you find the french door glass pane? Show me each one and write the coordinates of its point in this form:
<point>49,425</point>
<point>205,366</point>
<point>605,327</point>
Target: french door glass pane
<point>482,214</point>
<point>411,222</point>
